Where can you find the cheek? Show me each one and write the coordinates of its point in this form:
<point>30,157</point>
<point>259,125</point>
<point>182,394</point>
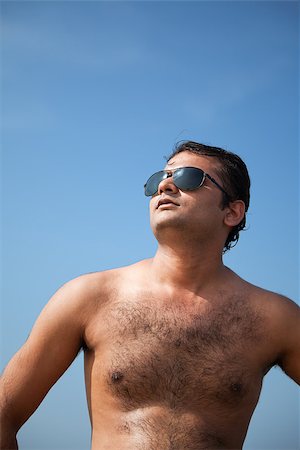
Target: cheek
<point>152,205</point>
<point>152,208</point>
<point>207,209</point>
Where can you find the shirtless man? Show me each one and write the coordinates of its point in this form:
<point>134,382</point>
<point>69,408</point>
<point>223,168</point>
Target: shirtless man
<point>176,347</point>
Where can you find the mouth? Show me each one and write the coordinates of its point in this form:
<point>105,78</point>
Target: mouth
<point>166,202</point>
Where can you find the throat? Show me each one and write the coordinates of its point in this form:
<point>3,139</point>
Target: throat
<point>190,272</point>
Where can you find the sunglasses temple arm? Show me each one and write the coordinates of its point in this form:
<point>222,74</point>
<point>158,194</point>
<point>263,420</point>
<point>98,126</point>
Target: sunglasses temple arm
<point>217,184</point>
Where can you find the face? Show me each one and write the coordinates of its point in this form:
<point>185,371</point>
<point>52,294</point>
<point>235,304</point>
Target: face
<point>199,212</point>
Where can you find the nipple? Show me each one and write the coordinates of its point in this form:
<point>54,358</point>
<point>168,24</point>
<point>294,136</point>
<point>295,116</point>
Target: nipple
<point>116,377</point>
<point>178,343</point>
<point>236,387</point>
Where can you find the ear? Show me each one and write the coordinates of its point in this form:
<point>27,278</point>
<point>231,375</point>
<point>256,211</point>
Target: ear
<point>234,213</point>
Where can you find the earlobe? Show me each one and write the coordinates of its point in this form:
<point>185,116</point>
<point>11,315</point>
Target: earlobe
<point>235,213</point>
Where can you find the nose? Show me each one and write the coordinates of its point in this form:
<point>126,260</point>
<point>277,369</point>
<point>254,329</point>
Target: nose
<point>167,185</point>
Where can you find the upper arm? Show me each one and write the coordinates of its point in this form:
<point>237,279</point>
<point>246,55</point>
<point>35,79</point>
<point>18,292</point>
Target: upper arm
<point>289,359</point>
<point>52,345</point>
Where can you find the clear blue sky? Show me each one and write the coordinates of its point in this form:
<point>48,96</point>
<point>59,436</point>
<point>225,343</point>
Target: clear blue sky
<point>94,94</point>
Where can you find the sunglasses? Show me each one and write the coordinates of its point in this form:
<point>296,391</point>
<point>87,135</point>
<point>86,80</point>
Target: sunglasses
<point>184,178</point>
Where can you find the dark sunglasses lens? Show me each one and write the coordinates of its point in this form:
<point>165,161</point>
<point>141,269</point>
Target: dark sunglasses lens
<point>151,185</point>
<point>188,178</point>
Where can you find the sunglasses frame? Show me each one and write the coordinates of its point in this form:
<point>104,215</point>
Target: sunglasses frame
<point>170,172</point>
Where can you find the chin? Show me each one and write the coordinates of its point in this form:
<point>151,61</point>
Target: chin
<point>168,225</point>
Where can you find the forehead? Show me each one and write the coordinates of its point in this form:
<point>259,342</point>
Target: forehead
<point>185,159</point>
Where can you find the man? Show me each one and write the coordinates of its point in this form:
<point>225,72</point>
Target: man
<point>176,347</point>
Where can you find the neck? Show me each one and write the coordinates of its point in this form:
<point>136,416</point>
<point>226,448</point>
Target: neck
<point>192,269</point>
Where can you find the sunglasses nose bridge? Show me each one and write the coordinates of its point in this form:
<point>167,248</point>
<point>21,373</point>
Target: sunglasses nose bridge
<point>167,183</point>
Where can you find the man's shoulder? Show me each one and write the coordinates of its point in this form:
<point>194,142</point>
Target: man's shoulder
<point>274,306</point>
<point>271,298</point>
<point>93,294</point>
<point>257,293</point>
<point>100,284</point>
<point>279,317</point>
<point>279,310</point>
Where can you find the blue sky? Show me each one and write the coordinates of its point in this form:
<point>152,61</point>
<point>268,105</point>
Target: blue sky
<point>94,95</point>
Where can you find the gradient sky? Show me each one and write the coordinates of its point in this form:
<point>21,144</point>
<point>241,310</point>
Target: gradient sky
<point>94,95</point>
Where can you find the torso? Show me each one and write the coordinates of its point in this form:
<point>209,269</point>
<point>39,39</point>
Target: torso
<point>174,373</point>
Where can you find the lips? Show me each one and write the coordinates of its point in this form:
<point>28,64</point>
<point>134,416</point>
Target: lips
<point>166,201</point>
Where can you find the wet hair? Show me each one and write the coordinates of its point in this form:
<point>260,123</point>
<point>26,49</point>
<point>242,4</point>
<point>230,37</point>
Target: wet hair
<point>234,176</point>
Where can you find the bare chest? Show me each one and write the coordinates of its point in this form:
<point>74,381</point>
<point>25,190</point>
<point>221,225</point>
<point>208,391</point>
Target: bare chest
<point>178,356</point>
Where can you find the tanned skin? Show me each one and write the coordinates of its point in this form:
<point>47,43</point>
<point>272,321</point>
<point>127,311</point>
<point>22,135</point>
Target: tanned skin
<point>176,347</point>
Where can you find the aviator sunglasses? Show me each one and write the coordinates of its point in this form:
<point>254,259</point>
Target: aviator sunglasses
<point>184,178</point>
